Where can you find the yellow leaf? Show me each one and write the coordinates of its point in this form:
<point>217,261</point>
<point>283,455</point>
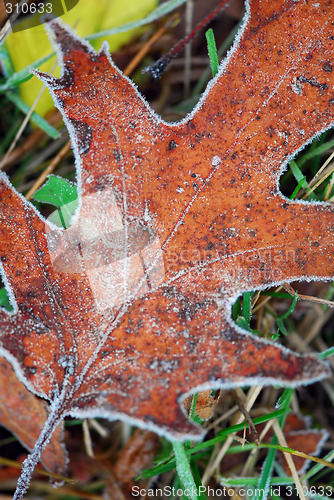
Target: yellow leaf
<point>27,46</point>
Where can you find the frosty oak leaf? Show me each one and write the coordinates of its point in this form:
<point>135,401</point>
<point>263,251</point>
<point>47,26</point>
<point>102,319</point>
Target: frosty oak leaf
<point>180,220</point>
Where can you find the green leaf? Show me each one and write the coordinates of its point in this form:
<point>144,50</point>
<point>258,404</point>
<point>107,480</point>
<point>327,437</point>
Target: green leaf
<point>61,193</point>
<point>57,191</point>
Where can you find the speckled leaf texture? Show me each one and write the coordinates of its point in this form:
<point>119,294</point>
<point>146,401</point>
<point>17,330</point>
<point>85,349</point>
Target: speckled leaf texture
<point>24,415</point>
<point>128,310</point>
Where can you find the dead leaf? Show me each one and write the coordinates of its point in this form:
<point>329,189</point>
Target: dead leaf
<point>128,310</point>
<point>300,437</point>
<point>137,455</point>
<point>205,404</point>
<point>24,415</point>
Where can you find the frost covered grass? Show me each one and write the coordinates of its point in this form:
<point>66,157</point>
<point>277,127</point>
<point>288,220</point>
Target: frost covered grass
<point>275,314</point>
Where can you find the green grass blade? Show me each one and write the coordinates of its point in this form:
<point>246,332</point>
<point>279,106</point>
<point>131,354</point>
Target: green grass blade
<point>325,354</point>
<point>236,309</point>
<point>24,74</point>
<point>281,326</point>
<point>212,50</point>
<point>236,428</point>
<point>267,470</point>
<point>35,118</point>
<point>11,133</point>
<point>247,306</point>
<point>243,481</point>
<point>193,406</point>
<point>284,399</point>
<point>291,308</point>
<point>239,448</point>
<point>198,481</point>
<point>187,444</point>
<point>200,85</point>
<point>298,174</point>
<point>300,178</point>
<point>315,152</point>
<point>317,468</point>
<point>240,321</point>
<point>221,436</point>
<point>296,190</point>
<point>263,484</point>
<point>184,470</point>
<point>6,61</point>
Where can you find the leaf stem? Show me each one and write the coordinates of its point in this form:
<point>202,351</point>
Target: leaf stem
<point>30,463</point>
<point>55,417</point>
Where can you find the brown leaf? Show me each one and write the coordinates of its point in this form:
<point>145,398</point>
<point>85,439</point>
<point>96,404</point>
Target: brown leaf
<point>24,415</point>
<point>299,436</point>
<point>128,311</point>
<point>205,404</point>
<point>136,456</point>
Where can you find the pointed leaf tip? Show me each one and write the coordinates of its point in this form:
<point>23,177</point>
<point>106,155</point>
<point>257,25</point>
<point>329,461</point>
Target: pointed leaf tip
<point>66,38</point>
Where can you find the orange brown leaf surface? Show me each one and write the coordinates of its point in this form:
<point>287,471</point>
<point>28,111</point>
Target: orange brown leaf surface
<point>24,415</point>
<point>128,310</point>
